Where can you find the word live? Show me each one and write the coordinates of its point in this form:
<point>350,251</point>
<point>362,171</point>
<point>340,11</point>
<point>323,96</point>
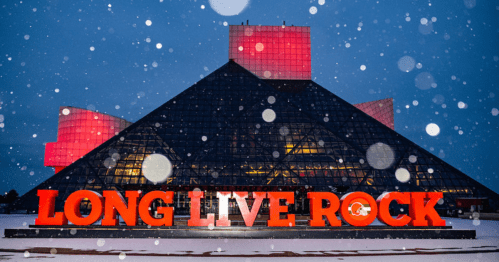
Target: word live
<point>356,208</point>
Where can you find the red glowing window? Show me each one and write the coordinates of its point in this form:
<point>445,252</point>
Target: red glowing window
<point>272,52</point>
<point>79,131</point>
<point>381,110</point>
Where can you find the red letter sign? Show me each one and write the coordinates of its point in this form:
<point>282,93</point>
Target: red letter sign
<point>46,206</point>
<point>384,204</point>
<point>276,209</point>
<point>423,213</point>
<point>195,220</point>
<point>72,207</point>
<point>223,209</point>
<point>358,209</point>
<point>145,205</point>
<point>317,212</point>
<point>114,203</point>
<point>249,217</point>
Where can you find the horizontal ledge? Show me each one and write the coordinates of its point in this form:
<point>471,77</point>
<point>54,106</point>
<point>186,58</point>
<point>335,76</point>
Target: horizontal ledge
<point>373,232</point>
<point>239,228</point>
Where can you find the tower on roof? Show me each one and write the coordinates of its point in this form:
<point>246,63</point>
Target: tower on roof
<point>272,52</point>
<point>79,131</point>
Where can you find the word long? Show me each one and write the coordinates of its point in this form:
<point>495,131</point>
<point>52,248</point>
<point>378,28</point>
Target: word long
<point>356,208</point>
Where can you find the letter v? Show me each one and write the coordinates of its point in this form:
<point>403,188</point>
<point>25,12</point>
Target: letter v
<point>249,217</point>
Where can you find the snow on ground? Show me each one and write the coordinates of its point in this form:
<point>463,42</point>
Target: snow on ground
<point>484,248</point>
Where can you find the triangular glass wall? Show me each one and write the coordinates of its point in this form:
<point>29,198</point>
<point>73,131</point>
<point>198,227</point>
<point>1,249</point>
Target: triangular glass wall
<point>234,131</point>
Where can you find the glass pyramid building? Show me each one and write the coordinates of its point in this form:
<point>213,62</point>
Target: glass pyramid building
<point>235,131</point>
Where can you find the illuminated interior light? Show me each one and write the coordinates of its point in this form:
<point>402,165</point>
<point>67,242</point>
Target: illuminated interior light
<point>289,147</point>
<point>304,149</point>
<point>256,172</point>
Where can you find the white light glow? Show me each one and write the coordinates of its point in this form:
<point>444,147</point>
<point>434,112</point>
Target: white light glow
<point>228,7</point>
<point>313,10</point>
<point>402,175</point>
<point>268,115</point>
<point>259,47</point>
<point>156,168</point>
<point>380,156</point>
<point>432,129</point>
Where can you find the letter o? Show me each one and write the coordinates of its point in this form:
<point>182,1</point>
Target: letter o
<point>354,211</point>
<point>72,207</point>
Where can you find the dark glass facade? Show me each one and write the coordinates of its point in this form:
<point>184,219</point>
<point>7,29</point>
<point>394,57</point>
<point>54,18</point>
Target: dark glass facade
<point>235,131</point>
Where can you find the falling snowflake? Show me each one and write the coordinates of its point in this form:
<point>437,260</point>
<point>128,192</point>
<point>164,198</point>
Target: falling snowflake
<point>313,10</point>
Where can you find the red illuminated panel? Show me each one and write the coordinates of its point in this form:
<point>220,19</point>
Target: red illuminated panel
<point>79,131</point>
<point>381,110</point>
<point>272,52</point>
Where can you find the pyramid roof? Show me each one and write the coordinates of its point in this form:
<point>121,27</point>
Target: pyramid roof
<point>235,130</point>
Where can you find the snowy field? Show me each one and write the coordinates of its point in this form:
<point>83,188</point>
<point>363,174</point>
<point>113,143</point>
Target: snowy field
<point>484,248</point>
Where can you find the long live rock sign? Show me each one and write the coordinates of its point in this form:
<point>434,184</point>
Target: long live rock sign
<point>356,208</point>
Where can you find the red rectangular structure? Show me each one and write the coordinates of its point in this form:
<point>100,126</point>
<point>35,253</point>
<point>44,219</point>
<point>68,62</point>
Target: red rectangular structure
<point>79,131</point>
<point>272,52</point>
<point>381,110</point>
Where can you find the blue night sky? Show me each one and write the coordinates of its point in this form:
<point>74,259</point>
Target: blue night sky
<point>102,55</point>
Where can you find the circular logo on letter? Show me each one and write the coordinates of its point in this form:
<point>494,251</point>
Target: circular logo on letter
<point>359,208</point>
